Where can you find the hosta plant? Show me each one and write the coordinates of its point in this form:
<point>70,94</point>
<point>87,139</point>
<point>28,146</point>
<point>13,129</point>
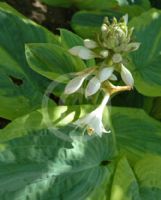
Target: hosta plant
<point>83,113</point>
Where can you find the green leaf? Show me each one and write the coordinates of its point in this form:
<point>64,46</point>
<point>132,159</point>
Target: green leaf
<point>52,61</point>
<point>146,61</point>
<point>136,133</point>
<point>148,174</point>
<point>41,164</point>
<point>124,186</point>
<point>21,89</point>
<point>156,109</point>
<point>96,5</point>
<point>69,39</point>
<point>61,3</point>
<point>81,4</point>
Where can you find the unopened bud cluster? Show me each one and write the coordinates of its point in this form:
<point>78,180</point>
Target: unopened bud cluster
<point>111,47</point>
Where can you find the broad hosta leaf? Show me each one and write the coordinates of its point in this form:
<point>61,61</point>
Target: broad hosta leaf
<point>69,39</point>
<point>156,109</point>
<point>41,165</point>
<point>93,5</point>
<point>146,61</point>
<point>88,4</point>
<point>62,3</point>
<point>60,163</point>
<point>21,89</point>
<point>52,61</point>
<point>124,185</point>
<point>137,134</point>
<point>149,177</point>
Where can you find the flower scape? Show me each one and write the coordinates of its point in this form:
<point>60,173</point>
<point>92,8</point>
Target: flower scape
<point>110,49</point>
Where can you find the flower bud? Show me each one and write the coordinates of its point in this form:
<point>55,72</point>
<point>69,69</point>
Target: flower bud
<point>104,53</point>
<point>90,44</point>
<point>117,58</point>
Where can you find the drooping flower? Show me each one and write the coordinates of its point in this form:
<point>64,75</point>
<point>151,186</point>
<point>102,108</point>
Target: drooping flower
<point>127,76</point>
<point>94,83</point>
<point>93,121</point>
<point>75,84</point>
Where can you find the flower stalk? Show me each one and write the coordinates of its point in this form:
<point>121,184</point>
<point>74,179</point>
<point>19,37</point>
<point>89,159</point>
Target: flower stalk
<point>112,44</point>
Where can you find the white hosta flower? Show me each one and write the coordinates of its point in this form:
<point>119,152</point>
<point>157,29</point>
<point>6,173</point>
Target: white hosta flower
<point>93,120</point>
<point>117,58</point>
<point>90,44</point>
<point>127,76</point>
<point>93,86</point>
<point>105,73</point>
<point>75,84</point>
<point>95,83</point>
<point>82,52</point>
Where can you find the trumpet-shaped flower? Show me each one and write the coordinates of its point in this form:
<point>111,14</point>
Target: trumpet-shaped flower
<point>93,121</point>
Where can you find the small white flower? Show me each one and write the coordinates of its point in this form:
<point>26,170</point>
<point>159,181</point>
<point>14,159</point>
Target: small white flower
<point>93,86</point>
<point>117,58</point>
<point>82,52</point>
<point>75,84</point>
<point>90,44</point>
<point>93,120</point>
<point>105,73</point>
<point>126,76</point>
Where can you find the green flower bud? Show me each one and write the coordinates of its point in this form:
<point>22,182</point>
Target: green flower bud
<point>115,35</point>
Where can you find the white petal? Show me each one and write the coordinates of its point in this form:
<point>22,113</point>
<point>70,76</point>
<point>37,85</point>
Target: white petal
<point>99,130</point>
<point>82,52</point>
<point>105,73</point>
<point>104,28</point>
<point>127,76</point>
<point>86,54</point>
<point>132,46</point>
<point>92,87</point>
<point>113,77</point>
<point>125,17</point>
<point>117,58</point>
<point>90,44</point>
<point>74,84</point>
<point>75,50</point>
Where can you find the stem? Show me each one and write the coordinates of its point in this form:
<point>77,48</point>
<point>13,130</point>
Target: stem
<point>105,100</point>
